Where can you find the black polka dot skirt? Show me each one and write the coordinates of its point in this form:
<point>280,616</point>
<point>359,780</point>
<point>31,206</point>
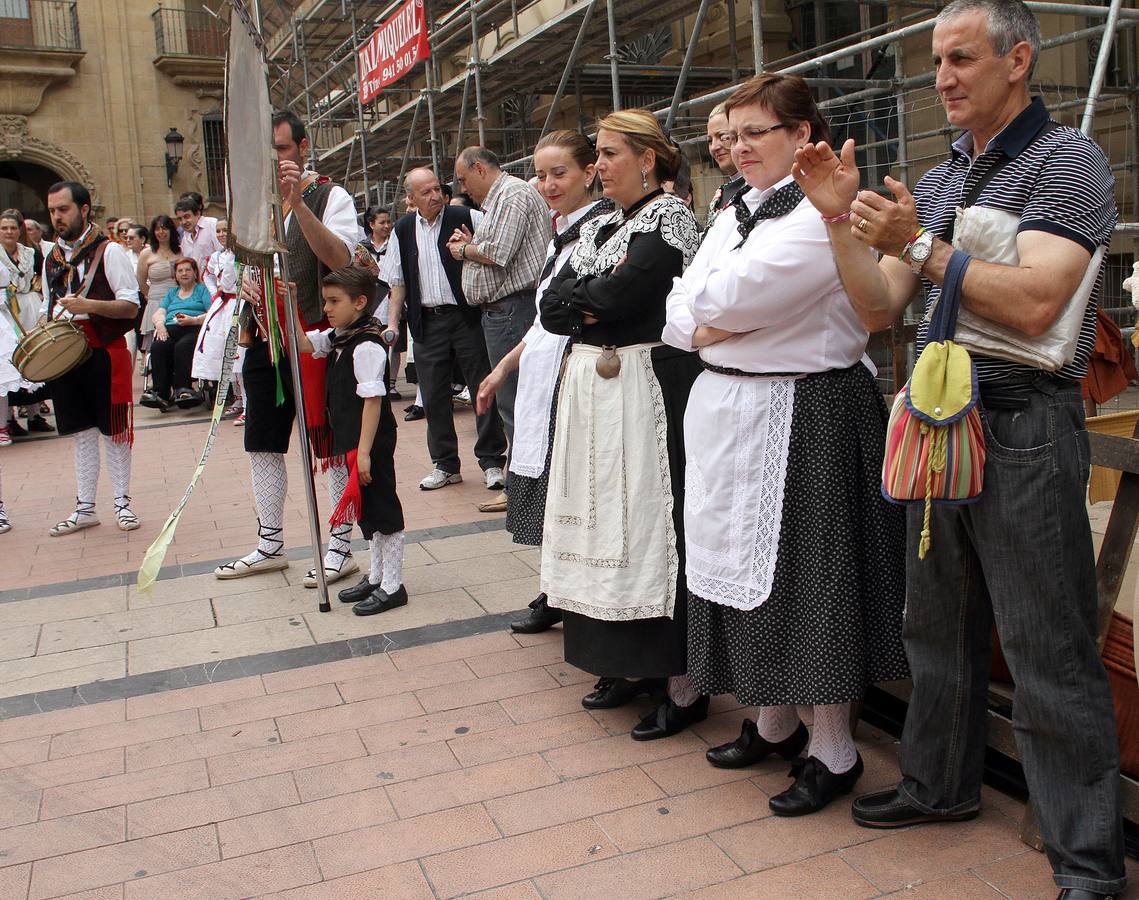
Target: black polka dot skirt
<point>526,496</point>
<point>833,622</point>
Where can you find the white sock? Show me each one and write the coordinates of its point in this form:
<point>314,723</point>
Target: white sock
<point>681,690</point>
<point>376,570</point>
<point>3,515</point>
<point>418,396</point>
<point>392,547</point>
<point>777,723</point>
<point>831,741</point>
<point>86,471</point>
<point>118,466</point>
<point>339,536</point>
<point>270,484</point>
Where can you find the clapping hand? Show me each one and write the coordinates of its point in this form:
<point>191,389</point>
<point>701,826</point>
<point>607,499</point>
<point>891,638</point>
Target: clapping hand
<point>830,182</point>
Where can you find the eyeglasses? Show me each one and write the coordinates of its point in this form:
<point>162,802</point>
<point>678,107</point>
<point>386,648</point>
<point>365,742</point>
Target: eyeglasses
<point>748,135</point>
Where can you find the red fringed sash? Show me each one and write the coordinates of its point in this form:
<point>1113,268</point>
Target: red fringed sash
<point>122,394</point>
<point>351,504</point>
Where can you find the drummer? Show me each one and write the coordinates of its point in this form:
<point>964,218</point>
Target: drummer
<point>94,397</point>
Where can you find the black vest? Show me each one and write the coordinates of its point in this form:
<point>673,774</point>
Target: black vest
<point>453,217</point>
<point>305,269</point>
<point>345,406</point>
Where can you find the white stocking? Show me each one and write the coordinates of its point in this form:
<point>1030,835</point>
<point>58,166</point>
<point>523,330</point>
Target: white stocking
<point>418,396</point>
<point>375,548</point>
<point>3,515</point>
<point>392,547</point>
<point>681,690</point>
<point>86,471</point>
<point>270,484</point>
<point>118,466</point>
<point>777,723</point>
<point>831,741</point>
<point>339,536</point>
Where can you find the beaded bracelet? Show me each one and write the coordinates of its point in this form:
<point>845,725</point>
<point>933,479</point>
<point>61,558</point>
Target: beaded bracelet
<point>841,217</point>
<point>910,243</point>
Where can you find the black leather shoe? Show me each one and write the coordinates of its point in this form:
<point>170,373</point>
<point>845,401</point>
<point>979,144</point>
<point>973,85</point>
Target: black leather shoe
<point>16,430</point>
<point>749,748</point>
<point>380,601</point>
<point>39,423</point>
<point>609,693</point>
<point>669,719</point>
<point>815,786</point>
<point>1081,894</point>
<point>393,394</point>
<point>889,809</point>
<point>357,592</point>
<point>414,413</point>
<point>541,618</point>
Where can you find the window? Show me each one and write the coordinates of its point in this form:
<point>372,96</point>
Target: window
<point>213,144</point>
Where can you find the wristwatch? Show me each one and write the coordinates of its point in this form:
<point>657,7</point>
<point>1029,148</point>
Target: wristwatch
<point>919,252</point>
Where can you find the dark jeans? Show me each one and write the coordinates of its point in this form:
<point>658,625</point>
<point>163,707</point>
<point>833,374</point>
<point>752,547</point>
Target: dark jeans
<point>172,359</point>
<point>505,322</point>
<point>1022,554</point>
<point>445,332</point>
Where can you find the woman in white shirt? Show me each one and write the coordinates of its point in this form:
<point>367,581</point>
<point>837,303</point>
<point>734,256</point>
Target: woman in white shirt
<point>795,562</point>
<point>564,162</point>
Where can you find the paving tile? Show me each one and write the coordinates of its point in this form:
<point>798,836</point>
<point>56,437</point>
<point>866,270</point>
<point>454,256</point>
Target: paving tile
<point>774,841</point>
<point>622,719</point>
<point>404,881</point>
<point>26,752</point>
<point>118,790</point>
<point>457,788</point>
<point>446,651</point>
<point>195,587</point>
<point>470,546</point>
<point>403,840</point>
<point>821,878</point>
<point>14,881</point>
<point>25,843</point>
<point>113,628</point>
<point>216,742</point>
<point>506,596</point>
<point>542,637</point>
<point>67,606</point>
<point>435,727</point>
<point>348,716</point>
<point>325,673</point>
<point>495,687</point>
<point>517,858</point>
<point>390,767</point>
<point>565,674</point>
<point>123,862</point>
<point>461,573</point>
<point>194,697</point>
<point>63,771</point>
<point>425,607</point>
<point>569,801</point>
<point>684,816</point>
<point>16,643</point>
<point>515,660</point>
<point>110,892</point>
<point>267,603</point>
<point>57,670</point>
<point>925,854</point>
<point>62,720</point>
<point>20,807</point>
<point>391,683</point>
<point>123,734</point>
<point>962,886</point>
<point>520,890</point>
<point>275,758</point>
<point>616,753</point>
<point>212,644</point>
<point>544,704</point>
<point>270,706</point>
<point>532,558</point>
<point>214,804</point>
<point>271,871</point>
<point>518,740</point>
<point>691,772</point>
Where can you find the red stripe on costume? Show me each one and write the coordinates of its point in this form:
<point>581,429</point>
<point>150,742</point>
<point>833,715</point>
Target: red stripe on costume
<point>122,394</point>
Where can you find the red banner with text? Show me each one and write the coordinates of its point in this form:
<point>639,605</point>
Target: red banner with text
<point>397,45</point>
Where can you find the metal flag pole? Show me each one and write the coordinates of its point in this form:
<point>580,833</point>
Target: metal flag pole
<point>298,395</point>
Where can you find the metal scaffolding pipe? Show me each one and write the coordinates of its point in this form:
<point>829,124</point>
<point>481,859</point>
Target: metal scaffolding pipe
<point>733,41</point>
<point>689,54</point>
<point>410,139</point>
<point>359,106</point>
<point>462,127</point>
<point>568,70</point>
<point>429,70</point>
<point>611,15</point>
<point>308,93</point>
<point>476,65</point>
<point>1100,67</point>
<point>757,34</point>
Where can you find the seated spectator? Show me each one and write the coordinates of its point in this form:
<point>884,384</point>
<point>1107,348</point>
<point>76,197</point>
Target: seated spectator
<point>177,323</point>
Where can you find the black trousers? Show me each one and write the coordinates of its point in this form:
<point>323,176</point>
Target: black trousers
<point>172,359</point>
<point>445,331</point>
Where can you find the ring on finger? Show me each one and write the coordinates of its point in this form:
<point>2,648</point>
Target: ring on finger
<point>861,225</point>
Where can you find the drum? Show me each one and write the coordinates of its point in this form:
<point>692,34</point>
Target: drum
<point>51,350</point>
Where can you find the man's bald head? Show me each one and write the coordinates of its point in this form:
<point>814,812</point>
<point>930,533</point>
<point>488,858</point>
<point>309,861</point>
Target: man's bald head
<point>424,192</point>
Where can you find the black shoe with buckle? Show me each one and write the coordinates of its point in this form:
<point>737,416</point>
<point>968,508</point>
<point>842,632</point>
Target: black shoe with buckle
<point>16,430</point>
<point>610,693</point>
<point>669,719</point>
<point>39,423</point>
<point>541,618</point>
<point>889,809</point>
<point>749,748</point>
<point>815,786</point>
<point>414,413</point>
<point>357,592</point>
<point>379,601</point>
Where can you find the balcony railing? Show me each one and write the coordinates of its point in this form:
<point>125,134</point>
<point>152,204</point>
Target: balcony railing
<point>39,24</point>
<point>185,32</point>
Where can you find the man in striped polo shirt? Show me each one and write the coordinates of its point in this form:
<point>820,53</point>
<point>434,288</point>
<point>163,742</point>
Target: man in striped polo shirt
<point>1022,554</point>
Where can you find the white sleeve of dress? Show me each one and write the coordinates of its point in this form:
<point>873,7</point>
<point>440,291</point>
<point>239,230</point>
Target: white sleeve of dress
<point>679,326</point>
<point>120,274</point>
<point>340,218</point>
<point>321,343</point>
<point>391,270</point>
<point>369,364</point>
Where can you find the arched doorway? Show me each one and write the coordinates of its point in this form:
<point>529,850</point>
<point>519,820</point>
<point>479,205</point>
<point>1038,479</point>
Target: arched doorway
<point>23,186</point>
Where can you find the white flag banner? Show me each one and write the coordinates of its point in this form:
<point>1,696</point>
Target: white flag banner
<point>251,169</point>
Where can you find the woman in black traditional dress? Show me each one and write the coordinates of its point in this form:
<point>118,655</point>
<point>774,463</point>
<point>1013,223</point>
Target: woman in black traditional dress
<point>613,549</point>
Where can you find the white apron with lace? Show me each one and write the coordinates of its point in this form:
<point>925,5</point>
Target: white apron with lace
<point>609,545</point>
<point>737,433</point>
